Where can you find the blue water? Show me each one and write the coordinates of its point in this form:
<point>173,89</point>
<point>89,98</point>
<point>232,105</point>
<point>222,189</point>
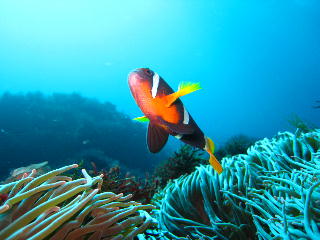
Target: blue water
<point>258,61</point>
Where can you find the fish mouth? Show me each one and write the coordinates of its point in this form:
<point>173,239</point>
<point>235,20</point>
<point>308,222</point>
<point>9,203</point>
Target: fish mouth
<point>136,73</point>
<point>133,74</point>
<point>137,70</point>
<point>134,77</point>
<point>140,75</point>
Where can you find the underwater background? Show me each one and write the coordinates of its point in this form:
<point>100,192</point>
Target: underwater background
<point>257,61</point>
<point>65,99</point>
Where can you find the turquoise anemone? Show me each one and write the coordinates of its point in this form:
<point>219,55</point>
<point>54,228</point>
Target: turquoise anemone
<point>270,193</point>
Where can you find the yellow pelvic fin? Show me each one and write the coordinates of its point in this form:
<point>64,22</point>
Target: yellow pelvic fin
<point>141,119</point>
<point>183,89</point>
<point>213,160</point>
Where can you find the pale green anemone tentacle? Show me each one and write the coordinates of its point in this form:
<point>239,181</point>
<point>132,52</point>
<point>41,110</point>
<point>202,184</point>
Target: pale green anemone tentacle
<point>58,207</point>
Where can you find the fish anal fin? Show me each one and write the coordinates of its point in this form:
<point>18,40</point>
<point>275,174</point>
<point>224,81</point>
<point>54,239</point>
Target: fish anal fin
<point>156,137</point>
<point>141,119</point>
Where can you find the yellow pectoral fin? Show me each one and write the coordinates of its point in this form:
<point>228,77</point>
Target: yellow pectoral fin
<point>172,98</point>
<point>183,89</point>
<point>141,119</point>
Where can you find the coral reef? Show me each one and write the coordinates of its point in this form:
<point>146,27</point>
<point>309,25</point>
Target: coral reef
<point>22,172</point>
<point>58,207</point>
<point>269,193</point>
<point>142,190</point>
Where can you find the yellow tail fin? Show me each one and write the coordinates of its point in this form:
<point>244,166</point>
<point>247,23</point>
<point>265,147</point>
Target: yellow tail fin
<point>183,89</point>
<point>213,160</point>
<point>210,145</point>
<point>215,164</point>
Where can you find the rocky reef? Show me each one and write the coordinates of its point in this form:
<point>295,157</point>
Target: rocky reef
<point>269,193</point>
<point>66,128</point>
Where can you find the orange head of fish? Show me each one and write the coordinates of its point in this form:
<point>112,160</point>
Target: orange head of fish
<point>150,92</point>
<point>140,83</point>
<point>140,77</point>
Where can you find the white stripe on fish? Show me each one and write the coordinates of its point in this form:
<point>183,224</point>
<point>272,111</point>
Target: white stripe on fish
<point>185,116</point>
<point>155,84</point>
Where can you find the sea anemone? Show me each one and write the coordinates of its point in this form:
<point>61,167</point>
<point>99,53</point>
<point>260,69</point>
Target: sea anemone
<point>270,192</point>
<point>58,207</point>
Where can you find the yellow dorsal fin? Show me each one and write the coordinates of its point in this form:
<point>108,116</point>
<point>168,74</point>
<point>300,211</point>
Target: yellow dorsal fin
<point>141,119</point>
<point>183,89</point>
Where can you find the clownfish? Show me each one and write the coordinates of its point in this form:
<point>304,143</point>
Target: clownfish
<point>166,113</point>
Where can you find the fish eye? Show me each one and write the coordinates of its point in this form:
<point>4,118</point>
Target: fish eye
<point>148,71</point>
